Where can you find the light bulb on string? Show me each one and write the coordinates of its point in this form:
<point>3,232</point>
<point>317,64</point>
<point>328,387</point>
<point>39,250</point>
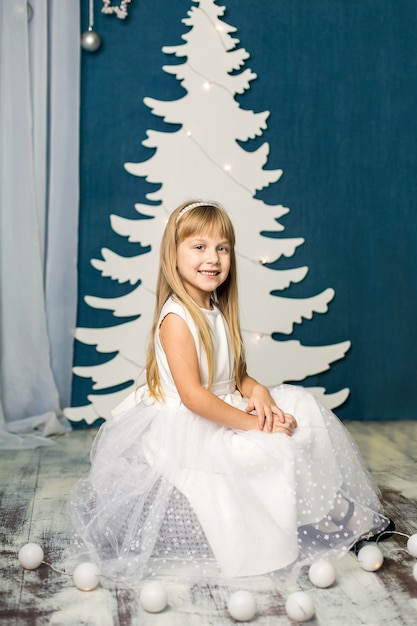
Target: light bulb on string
<point>262,261</point>
<point>299,606</point>
<point>90,40</point>
<point>30,555</point>
<point>322,573</point>
<point>86,576</point>
<point>242,606</point>
<point>153,597</point>
<point>207,79</point>
<point>218,26</point>
<point>226,168</point>
<point>412,545</point>
<point>254,336</point>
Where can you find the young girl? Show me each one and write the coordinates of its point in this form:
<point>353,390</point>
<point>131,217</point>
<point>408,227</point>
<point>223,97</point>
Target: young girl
<point>204,470</point>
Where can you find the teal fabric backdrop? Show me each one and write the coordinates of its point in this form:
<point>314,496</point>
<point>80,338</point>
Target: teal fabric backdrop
<point>338,77</point>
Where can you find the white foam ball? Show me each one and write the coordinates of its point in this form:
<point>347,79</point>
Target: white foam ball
<point>242,606</point>
<point>299,606</point>
<point>153,597</point>
<point>86,576</point>
<point>415,572</point>
<point>370,558</point>
<point>322,573</point>
<point>30,556</point>
<point>412,545</point>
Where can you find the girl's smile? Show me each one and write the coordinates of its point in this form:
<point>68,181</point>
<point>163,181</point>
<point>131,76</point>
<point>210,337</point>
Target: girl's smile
<point>203,263</point>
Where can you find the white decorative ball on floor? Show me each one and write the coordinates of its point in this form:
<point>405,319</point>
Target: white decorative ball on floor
<point>242,606</point>
<point>322,573</point>
<point>415,572</point>
<point>412,545</point>
<point>86,576</point>
<point>370,558</point>
<point>153,597</point>
<point>30,556</point>
<point>299,606</point>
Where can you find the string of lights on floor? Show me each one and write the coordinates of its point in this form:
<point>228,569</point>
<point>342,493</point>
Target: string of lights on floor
<point>241,605</point>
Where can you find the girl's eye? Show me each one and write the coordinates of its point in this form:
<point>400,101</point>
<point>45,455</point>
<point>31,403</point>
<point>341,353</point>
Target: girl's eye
<point>223,249</point>
<point>199,246</point>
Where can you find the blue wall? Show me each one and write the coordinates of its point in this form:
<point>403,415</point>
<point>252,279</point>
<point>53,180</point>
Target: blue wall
<point>339,78</point>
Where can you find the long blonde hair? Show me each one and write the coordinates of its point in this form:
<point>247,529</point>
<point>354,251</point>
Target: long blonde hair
<point>196,219</point>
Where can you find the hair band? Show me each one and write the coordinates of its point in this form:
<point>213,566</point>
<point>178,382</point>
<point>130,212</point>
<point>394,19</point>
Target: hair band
<point>194,205</point>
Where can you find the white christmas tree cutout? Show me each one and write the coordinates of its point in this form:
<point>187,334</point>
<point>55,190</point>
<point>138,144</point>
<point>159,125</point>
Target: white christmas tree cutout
<point>203,159</point>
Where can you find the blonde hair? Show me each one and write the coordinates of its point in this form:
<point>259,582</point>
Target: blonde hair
<point>185,221</point>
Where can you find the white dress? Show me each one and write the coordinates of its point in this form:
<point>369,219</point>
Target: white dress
<point>171,492</point>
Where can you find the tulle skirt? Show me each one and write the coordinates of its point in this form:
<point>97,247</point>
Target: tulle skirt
<point>171,492</point>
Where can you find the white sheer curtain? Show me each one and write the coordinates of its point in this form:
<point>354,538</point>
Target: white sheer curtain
<point>39,113</point>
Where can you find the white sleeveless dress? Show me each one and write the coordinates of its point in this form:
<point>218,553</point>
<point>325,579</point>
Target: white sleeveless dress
<point>170,492</point>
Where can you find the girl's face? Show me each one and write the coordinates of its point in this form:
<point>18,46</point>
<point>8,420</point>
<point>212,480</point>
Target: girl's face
<point>203,264</point>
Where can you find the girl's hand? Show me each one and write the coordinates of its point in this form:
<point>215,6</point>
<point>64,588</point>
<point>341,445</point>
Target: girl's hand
<point>271,418</point>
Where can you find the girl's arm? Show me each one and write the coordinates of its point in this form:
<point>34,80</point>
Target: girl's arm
<point>179,347</point>
<point>262,403</point>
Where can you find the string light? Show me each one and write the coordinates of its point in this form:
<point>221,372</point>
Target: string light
<point>206,85</point>
<point>30,556</point>
<point>153,597</point>
<point>226,168</point>
<point>255,335</point>
<point>86,576</point>
<point>241,605</point>
<point>219,28</point>
<point>322,573</point>
<point>299,606</point>
<point>370,558</point>
<point>263,261</point>
<point>206,79</point>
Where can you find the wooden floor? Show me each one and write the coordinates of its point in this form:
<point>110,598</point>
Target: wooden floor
<point>34,485</point>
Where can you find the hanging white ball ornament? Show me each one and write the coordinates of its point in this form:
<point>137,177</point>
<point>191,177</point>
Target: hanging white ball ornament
<point>30,556</point>
<point>322,573</point>
<point>242,606</point>
<point>86,576</point>
<point>370,558</point>
<point>90,41</point>
<point>412,545</point>
<point>299,606</point>
<point>153,597</point>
